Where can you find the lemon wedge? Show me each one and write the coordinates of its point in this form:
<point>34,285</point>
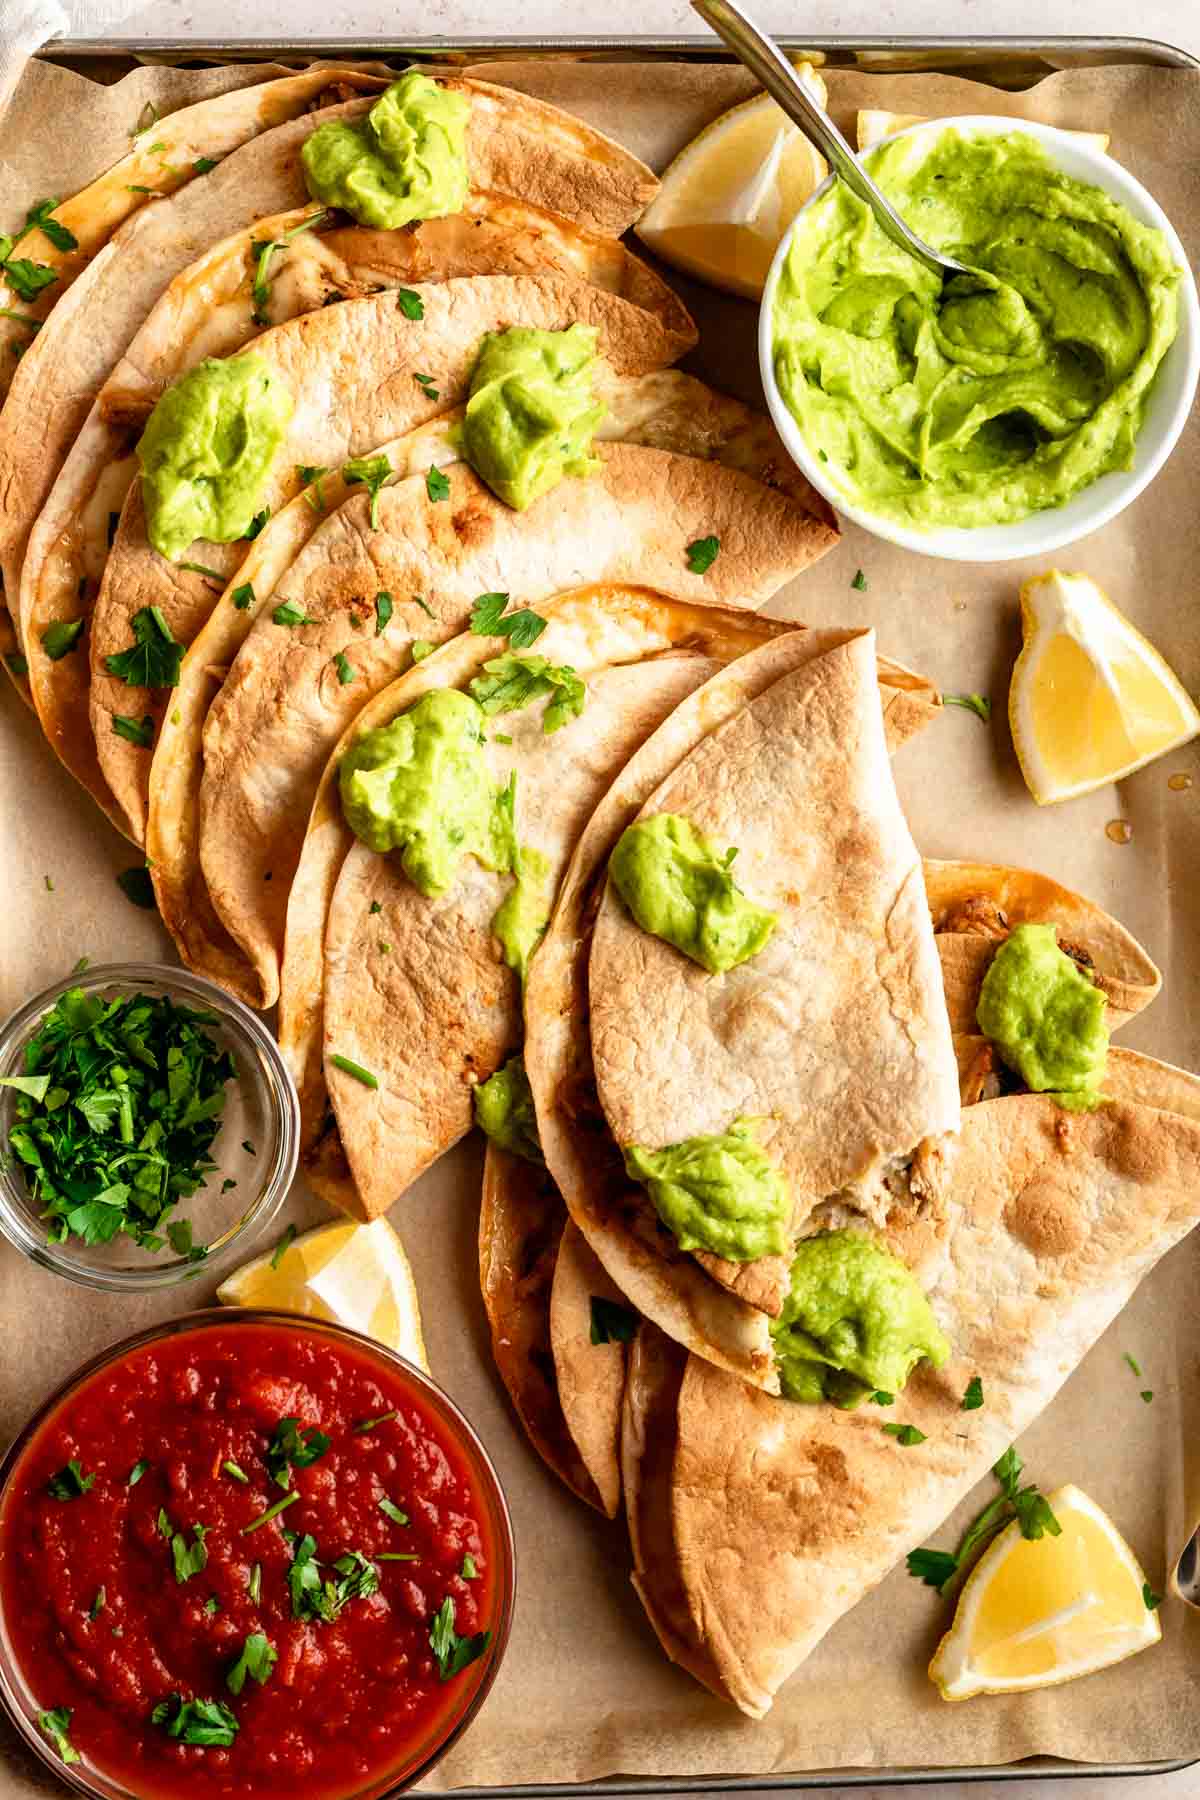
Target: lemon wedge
<point>1034,1613</point>
<point>873,125</point>
<point>1091,700</point>
<point>728,198</point>
<point>350,1274</point>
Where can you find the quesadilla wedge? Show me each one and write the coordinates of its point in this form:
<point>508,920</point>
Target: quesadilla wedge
<point>665,409</point>
<point>664,1283</point>
<point>216,306</point>
<point>350,371</point>
<point>588,1320</point>
<point>974,907</point>
<point>515,145</point>
<point>170,154</point>
<point>833,1032</point>
<point>282,705</point>
<point>783,1516</point>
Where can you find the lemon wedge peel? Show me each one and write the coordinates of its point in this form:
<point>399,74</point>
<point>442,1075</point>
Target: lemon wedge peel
<point>728,197</point>
<point>1091,700</point>
<point>346,1273</point>
<point>1089,1582</point>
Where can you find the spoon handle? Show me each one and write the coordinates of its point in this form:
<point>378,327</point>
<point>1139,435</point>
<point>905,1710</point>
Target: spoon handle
<point>764,59</point>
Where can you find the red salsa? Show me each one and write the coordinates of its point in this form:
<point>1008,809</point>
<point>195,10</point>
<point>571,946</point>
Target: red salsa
<point>248,1558</point>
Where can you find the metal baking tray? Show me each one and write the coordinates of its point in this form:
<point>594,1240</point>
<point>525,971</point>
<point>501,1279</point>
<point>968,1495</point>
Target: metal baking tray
<point>1005,62</point>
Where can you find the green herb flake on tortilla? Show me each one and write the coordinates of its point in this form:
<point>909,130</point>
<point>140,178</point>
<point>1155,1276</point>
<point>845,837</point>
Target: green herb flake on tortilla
<point>720,1193</point>
<point>509,683</point>
<point>406,160</point>
<point>531,415</point>
<point>679,886</point>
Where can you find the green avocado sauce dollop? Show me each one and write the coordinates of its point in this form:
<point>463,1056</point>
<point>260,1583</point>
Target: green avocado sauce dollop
<point>1005,391</point>
<point>406,160</point>
<point>679,886</point>
<point>530,415</point>
<point>207,449</point>
<point>854,1321</point>
<point>719,1193</point>
<point>504,1110</point>
<point>1045,1017</point>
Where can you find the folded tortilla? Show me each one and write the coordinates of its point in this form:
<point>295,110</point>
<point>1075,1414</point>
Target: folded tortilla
<point>974,905</point>
<point>48,390</point>
<point>350,370</point>
<point>209,310</point>
<point>834,1036</point>
<point>281,707</point>
<point>664,409</point>
<point>783,1516</point>
<point>662,1282</point>
<point>516,145</point>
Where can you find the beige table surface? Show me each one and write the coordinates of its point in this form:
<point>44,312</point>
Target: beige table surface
<point>1172,21</point>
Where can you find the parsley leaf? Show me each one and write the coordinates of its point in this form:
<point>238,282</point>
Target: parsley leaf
<point>859,584</point>
<point>410,304</point>
<point>310,474</point>
<point>288,614</point>
<point>509,683</point>
<point>1134,1364</point>
<point>611,1322</point>
<point>392,1511</point>
<point>934,1567</point>
<point>189,1559</point>
<point>62,636</point>
<point>345,668</point>
<point>908,1435</point>
<point>153,659</point>
<point>356,1070</point>
<point>203,165</point>
<point>881,1397</point>
<point>702,554</point>
<point>319,1597</point>
<point>70,1482</point>
<point>138,1470</point>
<point>1034,1514</point>
<point>469,1569</point>
<point>421,648</point>
<point>283,1246</point>
<point>372,472</point>
<point>384,608</point>
<point>436,484</point>
<point>425,383</point>
<point>135,731</point>
<point>205,1722</point>
<point>99,1602</point>
<point>452,1652</point>
<point>27,279</point>
<point>257,1659</point>
<point>972,1400</point>
<point>16,664</point>
<point>56,1725</point>
<point>979,704</point>
<point>256,525</point>
<point>521,628</point>
<point>290,1448</point>
<point>1151,1600</point>
<point>1027,1505</point>
<point>243,596</point>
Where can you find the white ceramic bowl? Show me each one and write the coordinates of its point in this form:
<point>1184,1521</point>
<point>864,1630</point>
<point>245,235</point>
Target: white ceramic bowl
<point>1169,403</point>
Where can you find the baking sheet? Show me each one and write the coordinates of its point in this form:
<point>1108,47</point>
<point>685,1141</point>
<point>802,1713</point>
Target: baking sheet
<point>585,1692</point>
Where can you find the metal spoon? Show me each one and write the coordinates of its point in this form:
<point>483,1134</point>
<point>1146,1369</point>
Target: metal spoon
<point>763,57</point>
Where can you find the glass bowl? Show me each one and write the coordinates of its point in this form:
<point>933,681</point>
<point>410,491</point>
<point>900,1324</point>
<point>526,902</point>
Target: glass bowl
<point>256,1147</point>
<point>1167,410</point>
<point>21,1707</point>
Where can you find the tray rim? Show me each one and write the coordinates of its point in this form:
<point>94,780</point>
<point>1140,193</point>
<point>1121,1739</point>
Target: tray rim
<point>1103,50</point>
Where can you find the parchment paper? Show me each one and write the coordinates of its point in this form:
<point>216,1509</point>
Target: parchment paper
<point>585,1691</point>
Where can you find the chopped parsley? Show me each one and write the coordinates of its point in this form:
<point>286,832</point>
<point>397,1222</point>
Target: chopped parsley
<point>138,1470</point>
<point>189,1559</point>
<point>702,553</point>
<point>1134,1365</point>
<point>908,1435</point>
<point>365,1425</point>
<point>521,628</point>
<point>384,608</point>
<point>939,1568</point>
<point>469,1568</point>
<point>137,886</point>
<point>356,1070</point>
<point>510,682</point>
<point>391,1511</point>
<point>25,319</point>
<point>287,614</point>
<point>422,648</point>
<point>16,664</point>
<point>1147,1395</point>
<point>322,1597</point>
<point>283,1246</point>
<point>257,1659</point>
<point>262,252</point>
<point>134,731</point>
<point>26,278</point>
<point>345,668</point>
<point>256,525</point>
<point>424,606</point>
<point>291,1448</point>
<point>859,584</point>
<point>611,1322</point>
<point>371,472</point>
<point>123,1133</point>
<point>979,704</point>
<point>272,1512</point>
<point>436,484</point>
<point>1150,1599</point>
<point>202,569</point>
<point>453,1653</point>
<point>61,637</point>
<point>254,1585</point>
<point>70,1482</point>
<point>972,1400</point>
<point>235,1471</point>
<point>881,1397</point>
<point>208,1723</point>
<point>98,1604</point>
<point>410,304</point>
<point>310,474</point>
<point>425,383</point>
<point>212,1606</point>
<point>243,596</point>
<point>204,165</point>
<point>153,659</point>
<point>56,1725</point>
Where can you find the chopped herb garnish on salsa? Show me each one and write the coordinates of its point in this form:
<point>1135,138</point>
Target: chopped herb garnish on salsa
<point>56,1725</point>
<point>189,1559</point>
<point>135,1474</point>
<point>207,1723</point>
<point>136,1089</point>
<point>392,1511</point>
<point>70,1482</point>
<point>452,1652</point>
<point>322,1597</point>
<point>365,1425</point>
<point>272,1512</point>
<point>257,1659</point>
<point>291,1448</point>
